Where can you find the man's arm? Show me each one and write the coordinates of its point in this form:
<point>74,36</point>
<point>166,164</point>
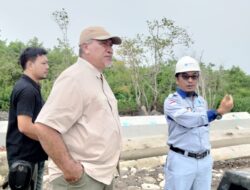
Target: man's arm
<point>177,111</point>
<point>226,105</point>
<point>53,144</point>
<point>26,126</point>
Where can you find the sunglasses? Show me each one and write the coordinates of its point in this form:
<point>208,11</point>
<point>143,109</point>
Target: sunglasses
<point>186,76</point>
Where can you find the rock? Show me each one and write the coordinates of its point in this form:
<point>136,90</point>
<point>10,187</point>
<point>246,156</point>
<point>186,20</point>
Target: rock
<point>133,171</point>
<point>160,176</point>
<point>148,179</point>
<point>133,188</point>
<point>162,184</point>
<point>124,176</point>
<point>124,169</point>
<point>147,186</point>
<point>120,184</point>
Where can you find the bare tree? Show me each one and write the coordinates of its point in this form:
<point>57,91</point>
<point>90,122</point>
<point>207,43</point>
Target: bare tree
<point>132,54</point>
<point>163,37</point>
<point>62,19</point>
<point>151,51</point>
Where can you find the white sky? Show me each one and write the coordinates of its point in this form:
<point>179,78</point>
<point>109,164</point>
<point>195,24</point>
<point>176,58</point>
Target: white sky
<point>219,28</point>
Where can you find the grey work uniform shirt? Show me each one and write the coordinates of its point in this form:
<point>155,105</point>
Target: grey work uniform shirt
<point>188,120</point>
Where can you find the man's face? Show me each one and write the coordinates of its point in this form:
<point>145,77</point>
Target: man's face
<point>40,67</point>
<point>99,53</point>
<point>188,81</point>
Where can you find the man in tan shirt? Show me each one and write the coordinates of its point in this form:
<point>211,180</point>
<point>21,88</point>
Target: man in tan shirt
<point>79,125</point>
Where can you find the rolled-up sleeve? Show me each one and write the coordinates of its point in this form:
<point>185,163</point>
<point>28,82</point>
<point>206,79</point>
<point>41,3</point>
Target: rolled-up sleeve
<point>63,107</point>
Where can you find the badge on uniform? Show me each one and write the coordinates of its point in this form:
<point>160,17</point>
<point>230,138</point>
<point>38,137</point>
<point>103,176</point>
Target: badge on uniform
<point>172,102</point>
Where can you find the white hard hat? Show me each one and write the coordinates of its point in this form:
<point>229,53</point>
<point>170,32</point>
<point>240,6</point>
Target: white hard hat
<point>186,64</point>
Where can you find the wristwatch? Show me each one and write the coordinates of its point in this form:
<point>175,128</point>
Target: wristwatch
<point>218,115</point>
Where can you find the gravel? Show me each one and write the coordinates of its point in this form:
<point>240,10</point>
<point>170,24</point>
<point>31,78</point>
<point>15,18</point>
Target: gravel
<point>133,179</point>
<point>151,178</point>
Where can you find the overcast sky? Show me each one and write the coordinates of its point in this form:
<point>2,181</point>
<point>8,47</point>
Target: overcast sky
<point>220,28</point>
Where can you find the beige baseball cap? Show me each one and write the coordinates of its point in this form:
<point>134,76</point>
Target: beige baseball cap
<point>97,33</point>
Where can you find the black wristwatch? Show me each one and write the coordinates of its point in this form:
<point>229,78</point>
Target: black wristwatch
<point>218,115</point>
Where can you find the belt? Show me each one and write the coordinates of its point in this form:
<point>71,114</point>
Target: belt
<point>190,154</point>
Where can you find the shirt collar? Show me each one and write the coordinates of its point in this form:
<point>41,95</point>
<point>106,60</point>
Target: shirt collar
<point>36,85</point>
<point>90,66</point>
<point>184,94</point>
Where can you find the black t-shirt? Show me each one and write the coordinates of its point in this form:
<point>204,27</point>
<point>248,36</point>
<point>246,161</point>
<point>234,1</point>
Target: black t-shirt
<point>25,99</point>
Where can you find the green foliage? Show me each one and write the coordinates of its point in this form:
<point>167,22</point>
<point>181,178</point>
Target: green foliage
<point>144,75</point>
<point>57,61</point>
<point>217,82</point>
<point>117,76</point>
<point>4,98</point>
<point>241,104</point>
<point>166,82</point>
<point>9,69</point>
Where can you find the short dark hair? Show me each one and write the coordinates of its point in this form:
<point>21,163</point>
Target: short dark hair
<point>30,54</point>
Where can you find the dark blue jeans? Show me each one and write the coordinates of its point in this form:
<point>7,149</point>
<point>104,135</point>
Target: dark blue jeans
<point>39,176</point>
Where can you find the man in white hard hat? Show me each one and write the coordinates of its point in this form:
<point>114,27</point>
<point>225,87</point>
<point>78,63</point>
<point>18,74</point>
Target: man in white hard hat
<point>189,163</point>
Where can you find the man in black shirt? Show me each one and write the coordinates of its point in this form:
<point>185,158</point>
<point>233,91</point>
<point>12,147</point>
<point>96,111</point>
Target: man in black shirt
<point>25,104</point>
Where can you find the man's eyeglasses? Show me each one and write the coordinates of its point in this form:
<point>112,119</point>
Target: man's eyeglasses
<point>186,76</point>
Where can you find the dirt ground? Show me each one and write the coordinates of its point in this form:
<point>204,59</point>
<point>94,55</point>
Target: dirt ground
<point>132,179</point>
<point>219,168</point>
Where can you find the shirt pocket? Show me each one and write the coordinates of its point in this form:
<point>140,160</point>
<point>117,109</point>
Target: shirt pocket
<point>99,103</point>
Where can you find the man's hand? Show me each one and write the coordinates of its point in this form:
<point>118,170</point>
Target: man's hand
<point>52,142</point>
<point>226,104</point>
<point>74,172</point>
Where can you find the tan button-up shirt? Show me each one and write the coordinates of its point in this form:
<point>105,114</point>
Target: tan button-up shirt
<point>82,107</point>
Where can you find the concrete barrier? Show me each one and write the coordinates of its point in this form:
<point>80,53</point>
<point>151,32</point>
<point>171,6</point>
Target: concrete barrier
<point>218,154</point>
<point>137,148</point>
<point>3,130</point>
<point>146,126</point>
